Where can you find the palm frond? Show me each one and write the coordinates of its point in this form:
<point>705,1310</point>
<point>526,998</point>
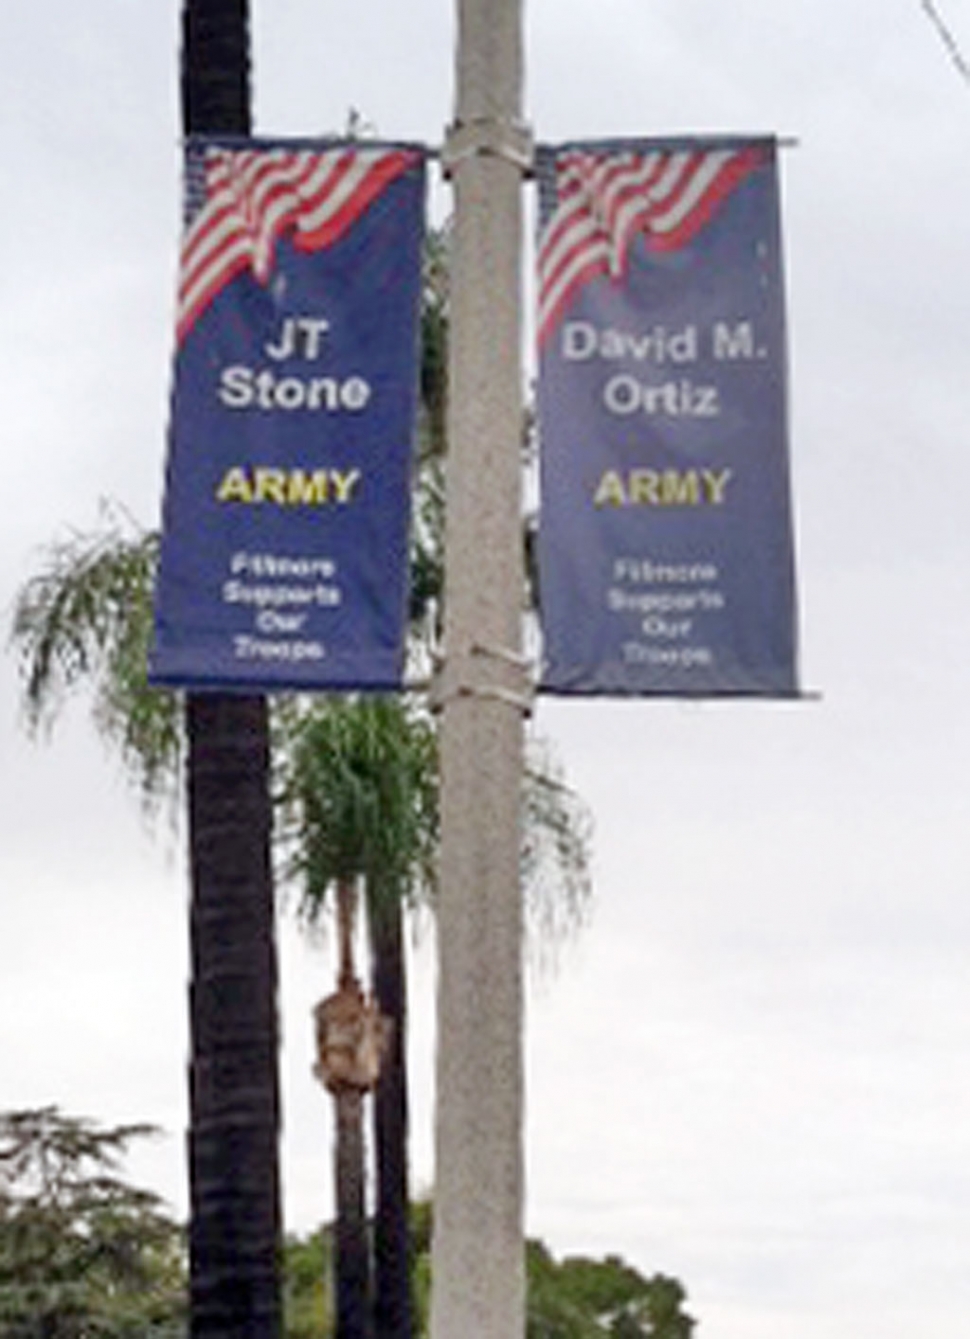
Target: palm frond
<point>85,618</point>
<point>556,855</point>
<point>358,797</point>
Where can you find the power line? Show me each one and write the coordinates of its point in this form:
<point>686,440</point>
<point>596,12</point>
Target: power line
<point>947,38</point>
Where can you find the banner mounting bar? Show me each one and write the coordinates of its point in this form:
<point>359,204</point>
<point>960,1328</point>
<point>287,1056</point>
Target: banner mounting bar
<point>498,673</point>
<point>486,137</point>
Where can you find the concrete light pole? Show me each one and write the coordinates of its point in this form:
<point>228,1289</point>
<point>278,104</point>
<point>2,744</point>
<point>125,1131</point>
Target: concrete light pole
<point>478,1285</point>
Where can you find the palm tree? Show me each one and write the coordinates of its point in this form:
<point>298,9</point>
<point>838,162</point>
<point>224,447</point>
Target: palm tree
<point>234,1102</point>
<point>235,1227</point>
<point>350,1035</point>
<point>361,799</point>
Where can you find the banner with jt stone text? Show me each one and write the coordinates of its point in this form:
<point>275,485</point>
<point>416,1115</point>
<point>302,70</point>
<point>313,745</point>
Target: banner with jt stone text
<point>665,549</point>
<point>284,547</point>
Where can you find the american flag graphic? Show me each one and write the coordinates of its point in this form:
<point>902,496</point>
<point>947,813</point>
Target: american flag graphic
<point>239,202</point>
<point>595,202</point>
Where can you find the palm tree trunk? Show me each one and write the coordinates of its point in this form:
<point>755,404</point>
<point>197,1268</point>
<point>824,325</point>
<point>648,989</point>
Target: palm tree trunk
<point>234,1234</point>
<point>215,67</point>
<point>352,1254</point>
<point>351,1261</point>
<point>392,1276</point>
<point>346,925</point>
<point>234,1101</point>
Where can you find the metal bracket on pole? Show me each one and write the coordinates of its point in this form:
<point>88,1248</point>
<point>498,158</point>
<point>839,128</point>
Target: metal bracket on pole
<point>503,654</point>
<point>481,671</point>
<point>488,138</point>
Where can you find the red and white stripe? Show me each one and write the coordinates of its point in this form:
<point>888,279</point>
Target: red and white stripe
<point>606,199</point>
<point>253,196</point>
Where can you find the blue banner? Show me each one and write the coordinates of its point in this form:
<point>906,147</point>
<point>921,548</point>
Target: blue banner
<point>665,549</point>
<point>284,546</point>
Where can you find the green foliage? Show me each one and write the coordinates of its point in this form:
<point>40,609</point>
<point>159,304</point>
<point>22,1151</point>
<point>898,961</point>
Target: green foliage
<point>83,1254</point>
<point>420,1233</point>
<point>434,343</point>
<point>575,1298</point>
<point>580,1298</point>
<point>359,797</point>
<point>556,848</point>
<point>550,1312</point>
<point>426,593</point>
<point>308,1286</point>
<point>85,618</point>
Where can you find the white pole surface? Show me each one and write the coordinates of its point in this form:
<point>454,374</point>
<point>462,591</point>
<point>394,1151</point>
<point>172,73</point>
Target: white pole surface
<point>478,1288</point>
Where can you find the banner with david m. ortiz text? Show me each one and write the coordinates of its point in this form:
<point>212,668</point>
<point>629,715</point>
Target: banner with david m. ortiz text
<point>665,546</point>
<point>284,542</point>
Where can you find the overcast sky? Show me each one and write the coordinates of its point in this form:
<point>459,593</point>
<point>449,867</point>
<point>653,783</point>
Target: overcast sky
<point>753,1069</point>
